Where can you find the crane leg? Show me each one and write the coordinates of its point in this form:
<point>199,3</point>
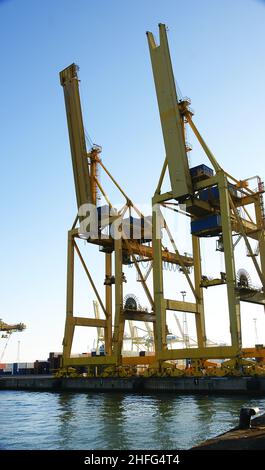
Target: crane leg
<point>69,326</point>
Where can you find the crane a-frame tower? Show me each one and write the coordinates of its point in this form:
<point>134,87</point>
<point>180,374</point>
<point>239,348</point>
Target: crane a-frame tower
<point>216,204</point>
<point>212,198</point>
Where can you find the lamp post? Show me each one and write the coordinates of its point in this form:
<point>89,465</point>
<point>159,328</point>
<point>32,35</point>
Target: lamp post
<point>256,331</point>
<point>185,324</point>
<point>18,355</point>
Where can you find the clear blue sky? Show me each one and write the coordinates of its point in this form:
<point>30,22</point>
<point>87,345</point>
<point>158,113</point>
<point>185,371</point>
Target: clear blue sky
<point>218,50</point>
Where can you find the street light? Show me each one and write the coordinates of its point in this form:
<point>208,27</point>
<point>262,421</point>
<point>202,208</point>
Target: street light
<point>183,292</point>
<point>18,354</point>
<point>256,331</point>
<point>185,323</point>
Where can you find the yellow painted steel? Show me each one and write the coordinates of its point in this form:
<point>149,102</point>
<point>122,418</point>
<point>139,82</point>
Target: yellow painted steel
<point>72,321</point>
<point>94,159</point>
<point>198,353</point>
<point>160,305</point>
<point>140,249</point>
<point>179,306</point>
<point>81,321</point>
<point>261,238</point>
<point>69,81</point>
<point>199,318</point>
<point>138,360</point>
<point>69,327</point>
<point>108,303</point>
<point>119,317</point>
<point>230,222</point>
<point>171,120</point>
<point>202,142</point>
<point>243,233</point>
<point>175,115</point>
<point>89,360</point>
<point>232,295</point>
<point>161,178</point>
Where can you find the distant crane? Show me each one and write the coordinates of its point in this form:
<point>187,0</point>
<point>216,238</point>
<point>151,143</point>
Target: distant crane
<point>150,337</point>
<point>191,341</point>
<point>100,331</point>
<point>136,338</point>
<point>9,329</point>
<point>184,337</point>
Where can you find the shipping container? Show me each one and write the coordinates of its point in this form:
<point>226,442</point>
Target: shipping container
<point>206,227</point>
<point>212,194</point>
<point>41,367</point>
<point>209,194</point>
<point>30,365</point>
<point>5,372</point>
<point>200,172</point>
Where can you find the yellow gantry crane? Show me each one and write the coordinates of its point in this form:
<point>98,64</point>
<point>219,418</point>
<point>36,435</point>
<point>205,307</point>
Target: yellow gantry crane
<point>217,206</point>
<point>212,199</point>
<point>122,249</point>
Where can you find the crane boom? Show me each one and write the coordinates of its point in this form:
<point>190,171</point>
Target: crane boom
<point>171,119</point>
<point>69,82</point>
<point>11,328</point>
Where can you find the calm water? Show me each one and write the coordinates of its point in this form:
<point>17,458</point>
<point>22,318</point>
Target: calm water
<point>32,420</point>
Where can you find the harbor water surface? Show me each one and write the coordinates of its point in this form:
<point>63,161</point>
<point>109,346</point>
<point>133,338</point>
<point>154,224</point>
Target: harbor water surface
<point>90,421</point>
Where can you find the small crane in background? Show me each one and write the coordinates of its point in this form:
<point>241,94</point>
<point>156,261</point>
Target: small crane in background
<point>7,330</point>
